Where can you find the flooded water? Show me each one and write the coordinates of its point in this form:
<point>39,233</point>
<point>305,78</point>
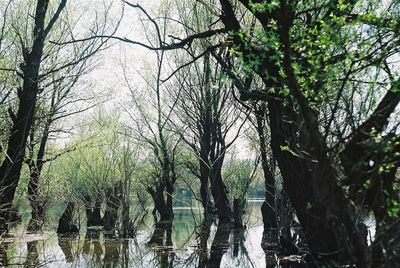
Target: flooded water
<point>188,242</point>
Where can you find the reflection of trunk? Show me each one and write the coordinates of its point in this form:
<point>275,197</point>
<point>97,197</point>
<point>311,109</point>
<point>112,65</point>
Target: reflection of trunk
<point>65,222</point>
<point>238,242</point>
<point>162,239</point>
<point>93,238</point>
<point>268,207</point>
<point>113,202</point>
<point>202,242</point>
<point>66,245</point>
<point>3,254</point>
<point>111,253</point>
<point>219,245</point>
<point>125,253</point>
<point>32,257</point>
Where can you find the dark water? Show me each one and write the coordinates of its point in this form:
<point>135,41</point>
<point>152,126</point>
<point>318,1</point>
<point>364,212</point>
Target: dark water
<point>189,242</point>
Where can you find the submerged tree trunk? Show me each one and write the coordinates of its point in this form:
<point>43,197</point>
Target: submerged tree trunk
<point>161,205</point>
<point>38,210</point>
<point>113,202</point>
<point>238,210</point>
<point>93,216</point>
<point>220,193</point>
<point>65,222</point>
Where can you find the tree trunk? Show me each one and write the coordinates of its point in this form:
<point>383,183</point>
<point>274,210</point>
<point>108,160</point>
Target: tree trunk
<point>204,186</point>
<point>37,214</point>
<point>112,205</point>
<point>10,169</point>
<point>220,195</point>
<point>65,222</point>
<point>320,204</point>
<point>160,203</point>
<point>268,206</point>
<point>93,216</point>
<point>238,212</point>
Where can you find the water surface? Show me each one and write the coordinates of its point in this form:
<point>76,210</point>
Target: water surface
<point>189,242</point>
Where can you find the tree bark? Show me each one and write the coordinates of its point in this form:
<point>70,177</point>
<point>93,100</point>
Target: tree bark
<point>65,222</point>
<point>93,216</point>
<point>268,206</point>
<point>113,202</point>
<point>220,194</point>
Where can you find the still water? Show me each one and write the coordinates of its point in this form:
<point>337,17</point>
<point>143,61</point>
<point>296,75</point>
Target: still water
<point>187,243</point>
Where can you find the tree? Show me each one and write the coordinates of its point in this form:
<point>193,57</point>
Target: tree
<point>298,49</point>
<point>11,166</point>
<point>152,128</point>
<point>34,73</point>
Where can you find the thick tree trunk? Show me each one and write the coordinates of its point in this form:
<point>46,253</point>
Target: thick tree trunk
<point>268,207</point>
<point>320,204</point>
<point>93,216</point>
<point>32,256</point>
<point>37,213</point>
<point>238,210</point>
<point>163,201</point>
<point>65,222</point>
<point>220,194</point>
<point>204,184</point>
<point>10,169</point>
<point>113,202</point>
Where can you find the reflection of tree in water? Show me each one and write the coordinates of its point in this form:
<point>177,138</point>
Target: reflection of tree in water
<point>115,252</point>
<point>238,242</point>
<point>219,245</point>
<point>161,240</point>
<point>92,247</point>
<point>202,241</point>
<point>66,243</point>
<point>32,257</point>
<point>112,251</point>
<point>3,254</point>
